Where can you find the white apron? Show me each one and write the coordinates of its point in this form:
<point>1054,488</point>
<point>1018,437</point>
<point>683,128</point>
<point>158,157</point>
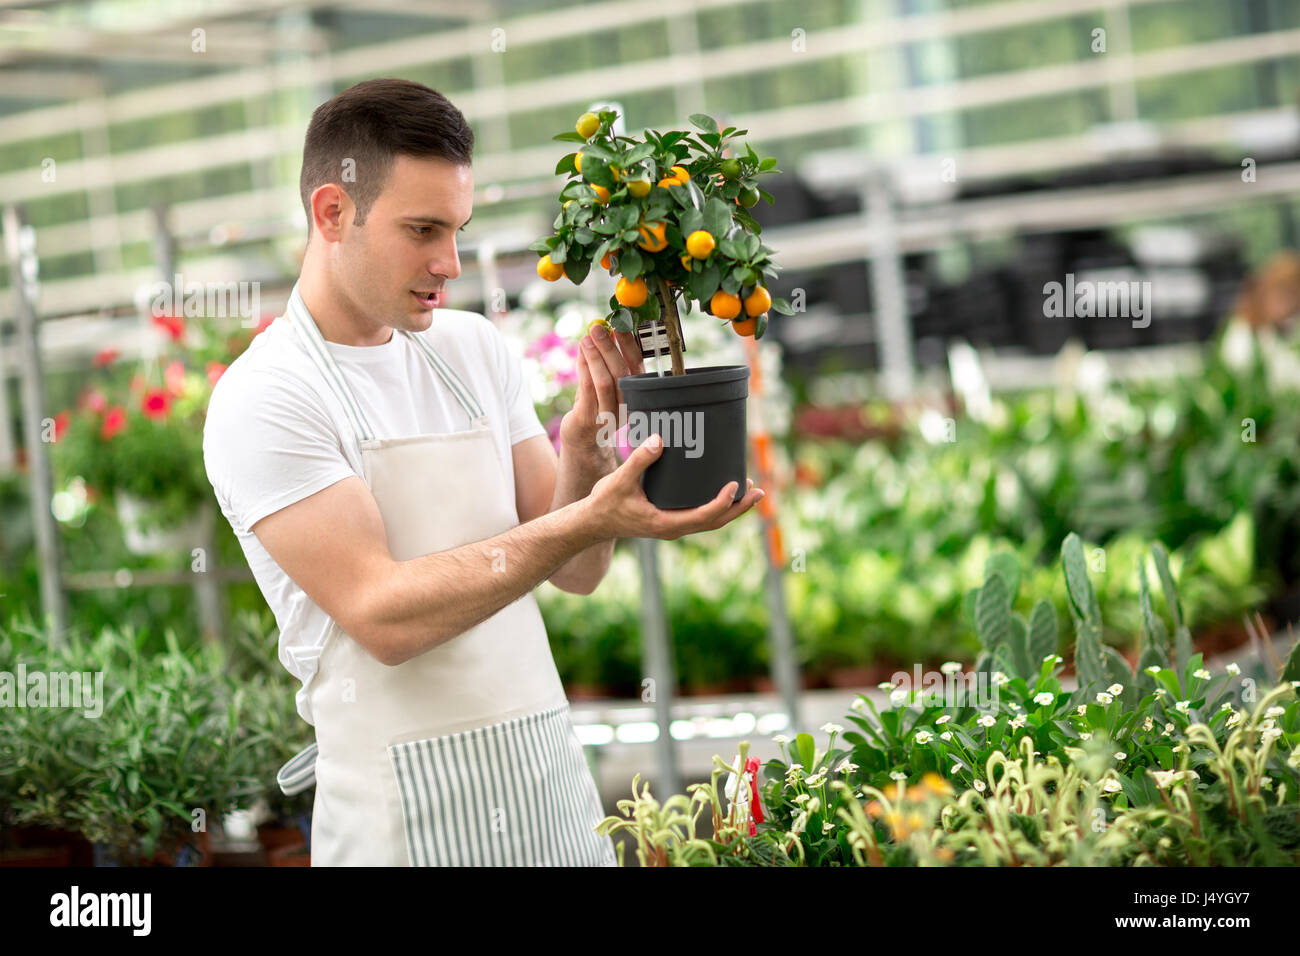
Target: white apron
<point>464,755</point>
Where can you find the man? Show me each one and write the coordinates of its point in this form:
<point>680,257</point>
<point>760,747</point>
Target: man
<point>398,501</point>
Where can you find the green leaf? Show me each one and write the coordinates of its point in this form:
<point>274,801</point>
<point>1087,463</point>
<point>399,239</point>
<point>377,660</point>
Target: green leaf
<point>576,270</point>
<point>717,218</point>
<point>806,749</point>
<point>630,263</point>
<point>690,220</point>
<point>1043,637</point>
<point>760,327</point>
<point>767,163</point>
<point>1086,614</point>
<point>622,321</point>
<point>705,122</point>
<point>1155,639</point>
<point>1292,669</point>
<point>569,137</point>
<point>993,613</point>
<point>704,283</point>
<point>1017,644</point>
<point>1005,564</point>
<point>781,305</point>
<point>1167,583</point>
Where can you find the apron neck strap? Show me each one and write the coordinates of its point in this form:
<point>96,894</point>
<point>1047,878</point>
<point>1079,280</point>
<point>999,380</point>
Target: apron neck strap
<point>315,345</point>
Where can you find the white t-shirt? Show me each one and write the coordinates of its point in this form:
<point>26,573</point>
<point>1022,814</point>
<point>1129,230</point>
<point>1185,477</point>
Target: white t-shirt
<point>277,433</point>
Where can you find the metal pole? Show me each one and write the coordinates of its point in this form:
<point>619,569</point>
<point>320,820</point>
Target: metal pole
<point>657,662</point>
<point>20,245</point>
<point>207,587</point>
<point>893,325</point>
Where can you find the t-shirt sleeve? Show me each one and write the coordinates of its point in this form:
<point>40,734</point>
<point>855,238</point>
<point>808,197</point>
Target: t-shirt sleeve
<point>521,412</point>
<point>267,443</point>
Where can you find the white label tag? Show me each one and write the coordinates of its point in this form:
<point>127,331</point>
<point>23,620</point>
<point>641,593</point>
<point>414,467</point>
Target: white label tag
<point>654,340</point>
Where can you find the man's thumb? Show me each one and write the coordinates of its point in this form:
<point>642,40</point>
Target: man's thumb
<point>644,455</point>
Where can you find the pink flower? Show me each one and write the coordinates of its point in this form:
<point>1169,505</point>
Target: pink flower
<point>547,342</point>
<point>105,357</point>
<point>175,378</point>
<point>93,400</point>
<point>61,422</point>
<point>114,422</point>
<point>156,403</point>
<point>174,325</point>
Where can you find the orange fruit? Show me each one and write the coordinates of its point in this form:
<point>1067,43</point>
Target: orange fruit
<point>758,302</point>
<point>681,174</point>
<point>595,322</point>
<point>548,270</point>
<point>745,327</point>
<point>601,193</point>
<point>724,305</point>
<point>686,261</point>
<point>587,125</point>
<point>605,263</point>
<point>638,188</point>
<point>700,243</point>
<point>577,162</point>
<point>631,294</point>
<point>653,238</point>
<point>668,181</point>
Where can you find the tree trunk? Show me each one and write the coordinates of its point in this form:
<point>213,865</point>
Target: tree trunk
<point>672,323</point>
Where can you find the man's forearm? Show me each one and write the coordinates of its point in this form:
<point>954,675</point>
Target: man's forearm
<point>433,598</point>
<point>573,482</point>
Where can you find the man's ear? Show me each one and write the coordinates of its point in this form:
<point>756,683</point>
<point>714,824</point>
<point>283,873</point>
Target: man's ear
<point>330,209</point>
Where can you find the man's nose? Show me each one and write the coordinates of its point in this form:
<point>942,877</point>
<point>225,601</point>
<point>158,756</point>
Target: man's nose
<point>447,262</point>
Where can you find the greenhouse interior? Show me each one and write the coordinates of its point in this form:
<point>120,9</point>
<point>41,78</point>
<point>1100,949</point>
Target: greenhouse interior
<point>845,433</point>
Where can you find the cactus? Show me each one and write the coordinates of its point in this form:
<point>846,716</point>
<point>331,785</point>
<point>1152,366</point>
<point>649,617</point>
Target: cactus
<point>1182,636</point>
<point>1005,635</point>
<point>1087,615</point>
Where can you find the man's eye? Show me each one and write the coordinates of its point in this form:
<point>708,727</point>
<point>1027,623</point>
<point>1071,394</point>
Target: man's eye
<point>422,230</point>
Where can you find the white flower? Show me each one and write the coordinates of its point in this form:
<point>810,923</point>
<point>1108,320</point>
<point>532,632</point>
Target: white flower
<point>897,775</point>
<point>846,766</point>
<point>923,736</point>
<point>859,705</point>
<point>1180,748</point>
<point>827,827</point>
<point>792,773</point>
<point>1085,734</point>
<point>1111,786</point>
<point>1104,698</point>
<point>1000,678</point>
<point>950,667</point>
<point>814,804</point>
<point>957,766</point>
<point>1182,706</point>
<point>799,798</point>
<point>1153,669</point>
<point>1051,657</point>
<point>897,697</point>
<point>1296,684</point>
<point>946,735</point>
<point>1161,691</point>
<point>1120,755</point>
<point>1043,699</point>
<point>1272,733</point>
<point>987,720</point>
<point>1015,706</point>
<point>885,685</point>
<point>799,822</point>
<point>1169,728</point>
<point>1081,710</point>
<point>1115,689</point>
<point>780,739</point>
<point>943,718</point>
<point>1275,712</point>
<point>1164,778</point>
<point>1148,724</point>
<point>1017,722</point>
<point>1267,783</point>
<point>979,785</point>
<point>817,779</point>
<point>1201,674</point>
<point>832,728</point>
<point>1227,705</point>
<point>1234,719</point>
<point>1233,668</point>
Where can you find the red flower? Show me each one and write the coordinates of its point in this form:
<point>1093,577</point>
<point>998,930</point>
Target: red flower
<point>215,371</point>
<point>114,422</point>
<point>755,807</point>
<point>175,378</point>
<point>173,325</point>
<point>61,422</point>
<point>105,357</point>
<point>93,400</point>
<point>156,403</point>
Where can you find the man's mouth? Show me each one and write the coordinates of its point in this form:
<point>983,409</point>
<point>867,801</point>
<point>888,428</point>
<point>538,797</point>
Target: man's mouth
<point>429,300</point>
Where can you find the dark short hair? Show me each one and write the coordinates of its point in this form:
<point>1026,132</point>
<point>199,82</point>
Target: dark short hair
<point>370,124</point>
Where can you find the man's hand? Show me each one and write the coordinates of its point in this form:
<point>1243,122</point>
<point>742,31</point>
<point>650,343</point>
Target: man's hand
<point>601,363</point>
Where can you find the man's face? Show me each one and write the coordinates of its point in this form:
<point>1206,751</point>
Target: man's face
<point>393,267</point>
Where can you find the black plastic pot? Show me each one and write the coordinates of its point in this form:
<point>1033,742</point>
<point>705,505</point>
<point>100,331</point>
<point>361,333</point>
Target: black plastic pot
<point>701,418</point>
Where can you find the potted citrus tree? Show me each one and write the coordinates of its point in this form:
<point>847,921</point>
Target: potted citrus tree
<point>668,214</point>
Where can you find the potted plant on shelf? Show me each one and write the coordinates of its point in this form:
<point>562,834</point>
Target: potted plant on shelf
<point>668,213</point>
